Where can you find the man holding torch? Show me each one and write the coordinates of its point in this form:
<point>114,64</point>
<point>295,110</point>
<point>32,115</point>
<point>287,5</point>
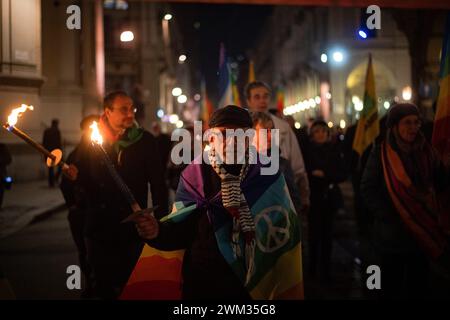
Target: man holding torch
<point>114,247</point>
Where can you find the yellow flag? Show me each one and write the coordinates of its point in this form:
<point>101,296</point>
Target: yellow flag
<point>368,125</point>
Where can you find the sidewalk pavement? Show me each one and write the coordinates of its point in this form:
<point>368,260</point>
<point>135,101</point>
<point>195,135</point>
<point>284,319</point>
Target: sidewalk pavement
<point>26,202</point>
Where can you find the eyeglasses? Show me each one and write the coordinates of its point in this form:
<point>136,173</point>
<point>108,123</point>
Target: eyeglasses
<point>125,110</point>
<point>411,123</point>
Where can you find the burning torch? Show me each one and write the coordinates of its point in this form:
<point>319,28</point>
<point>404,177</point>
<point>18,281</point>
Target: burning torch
<point>97,143</point>
<point>54,158</point>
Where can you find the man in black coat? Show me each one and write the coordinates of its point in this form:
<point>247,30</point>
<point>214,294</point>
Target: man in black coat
<point>76,199</point>
<point>113,247</point>
<point>325,167</point>
<point>52,141</point>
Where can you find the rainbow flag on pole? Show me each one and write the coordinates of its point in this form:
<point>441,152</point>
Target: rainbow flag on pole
<point>368,125</point>
<point>234,88</point>
<point>441,130</point>
<point>207,107</point>
<point>228,89</point>
<point>225,85</point>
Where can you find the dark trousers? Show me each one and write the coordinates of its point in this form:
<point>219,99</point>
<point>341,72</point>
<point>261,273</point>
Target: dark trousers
<point>404,275</point>
<point>52,176</point>
<point>320,239</point>
<point>111,263</point>
<point>76,219</point>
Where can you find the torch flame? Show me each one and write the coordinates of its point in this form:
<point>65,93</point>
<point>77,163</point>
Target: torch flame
<point>17,113</point>
<point>95,135</point>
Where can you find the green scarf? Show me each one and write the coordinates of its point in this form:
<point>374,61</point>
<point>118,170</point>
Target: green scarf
<point>131,136</point>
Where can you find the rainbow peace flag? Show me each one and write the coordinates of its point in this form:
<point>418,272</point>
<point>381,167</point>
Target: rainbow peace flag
<point>156,276</point>
<point>278,256</point>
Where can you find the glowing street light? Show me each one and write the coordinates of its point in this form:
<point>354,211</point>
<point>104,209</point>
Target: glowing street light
<point>176,92</point>
<point>179,124</point>
<point>338,56</point>
<point>173,118</point>
<point>407,93</point>
<point>182,59</point>
<point>323,58</point>
<point>168,17</point>
<point>126,36</point>
<point>182,99</point>
<point>317,100</point>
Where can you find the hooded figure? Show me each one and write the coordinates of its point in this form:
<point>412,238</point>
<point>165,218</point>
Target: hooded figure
<point>400,186</point>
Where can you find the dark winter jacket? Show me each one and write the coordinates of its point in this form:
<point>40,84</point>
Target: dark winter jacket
<point>73,191</point>
<point>206,274</point>
<point>52,139</point>
<point>139,166</point>
<point>325,157</point>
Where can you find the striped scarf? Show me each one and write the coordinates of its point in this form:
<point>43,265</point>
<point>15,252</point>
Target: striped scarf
<point>235,203</point>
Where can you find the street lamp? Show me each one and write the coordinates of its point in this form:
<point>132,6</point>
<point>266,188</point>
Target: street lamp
<point>176,92</point>
<point>182,99</point>
<point>179,124</point>
<point>338,56</point>
<point>317,100</point>
<point>323,58</point>
<point>182,59</point>
<point>126,36</point>
<point>407,93</point>
<point>173,118</point>
<point>168,17</point>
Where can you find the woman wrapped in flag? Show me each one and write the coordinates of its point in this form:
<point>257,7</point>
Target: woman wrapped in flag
<point>400,185</point>
<point>238,227</point>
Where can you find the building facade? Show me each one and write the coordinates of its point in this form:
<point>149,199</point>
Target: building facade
<point>64,73</point>
<point>316,57</point>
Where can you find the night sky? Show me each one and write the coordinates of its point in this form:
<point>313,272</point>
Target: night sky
<point>205,26</point>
